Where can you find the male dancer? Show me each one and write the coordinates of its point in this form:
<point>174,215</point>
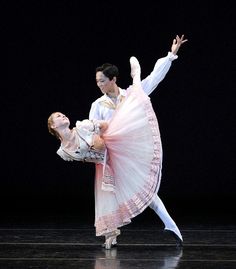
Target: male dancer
<point>103,108</point>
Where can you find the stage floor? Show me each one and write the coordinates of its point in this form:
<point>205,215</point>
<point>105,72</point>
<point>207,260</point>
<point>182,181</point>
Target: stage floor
<point>142,244</point>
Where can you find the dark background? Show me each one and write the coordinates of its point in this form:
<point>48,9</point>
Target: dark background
<point>53,50</point>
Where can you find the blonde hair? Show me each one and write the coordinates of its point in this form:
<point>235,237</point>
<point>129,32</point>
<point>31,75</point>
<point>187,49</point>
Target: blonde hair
<point>51,130</point>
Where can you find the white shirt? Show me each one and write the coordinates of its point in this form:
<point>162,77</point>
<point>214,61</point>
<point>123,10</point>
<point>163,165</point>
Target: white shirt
<point>103,107</point>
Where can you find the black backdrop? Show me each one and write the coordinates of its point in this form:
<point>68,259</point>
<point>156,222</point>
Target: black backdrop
<point>53,50</point>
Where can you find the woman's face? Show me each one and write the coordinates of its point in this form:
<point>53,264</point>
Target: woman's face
<point>60,120</point>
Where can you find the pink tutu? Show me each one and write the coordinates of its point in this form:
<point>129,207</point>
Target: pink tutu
<point>135,156</point>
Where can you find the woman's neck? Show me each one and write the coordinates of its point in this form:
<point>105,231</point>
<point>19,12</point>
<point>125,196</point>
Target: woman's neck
<point>66,134</point>
<point>69,139</point>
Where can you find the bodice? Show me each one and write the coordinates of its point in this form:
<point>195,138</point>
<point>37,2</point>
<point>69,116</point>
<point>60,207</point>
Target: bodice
<point>85,152</point>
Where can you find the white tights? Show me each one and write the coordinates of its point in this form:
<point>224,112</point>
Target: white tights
<point>158,206</point>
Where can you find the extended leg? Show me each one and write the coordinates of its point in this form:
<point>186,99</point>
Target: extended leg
<point>170,226</point>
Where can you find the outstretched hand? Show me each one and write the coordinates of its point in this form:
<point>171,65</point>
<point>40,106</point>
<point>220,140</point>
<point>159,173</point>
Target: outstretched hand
<point>177,42</point>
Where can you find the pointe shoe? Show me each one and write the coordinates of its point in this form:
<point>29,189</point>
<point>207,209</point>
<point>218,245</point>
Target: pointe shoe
<point>135,67</point>
<point>111,238</point>
<point>175,233</point>
<point>113,243</point>
<point>108,243</point>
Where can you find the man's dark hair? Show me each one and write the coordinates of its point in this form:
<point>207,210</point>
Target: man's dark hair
<point>109,70</point>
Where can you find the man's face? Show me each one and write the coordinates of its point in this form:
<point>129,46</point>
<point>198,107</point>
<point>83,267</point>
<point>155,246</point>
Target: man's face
<point>104,83</point>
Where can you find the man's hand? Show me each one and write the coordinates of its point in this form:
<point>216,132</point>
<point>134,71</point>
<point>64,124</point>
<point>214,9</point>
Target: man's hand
<point>177,42</point>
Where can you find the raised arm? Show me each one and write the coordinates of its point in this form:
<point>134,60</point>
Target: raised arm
<point>162,66</point>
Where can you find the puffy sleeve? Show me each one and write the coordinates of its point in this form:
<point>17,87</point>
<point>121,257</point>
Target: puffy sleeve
<point>64,155</point>
<point>85,129</point>
<point>86,124</point>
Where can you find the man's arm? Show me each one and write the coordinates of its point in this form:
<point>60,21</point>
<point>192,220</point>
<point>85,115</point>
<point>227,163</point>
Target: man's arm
<point>93,113</point>
<point>162,66</point>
